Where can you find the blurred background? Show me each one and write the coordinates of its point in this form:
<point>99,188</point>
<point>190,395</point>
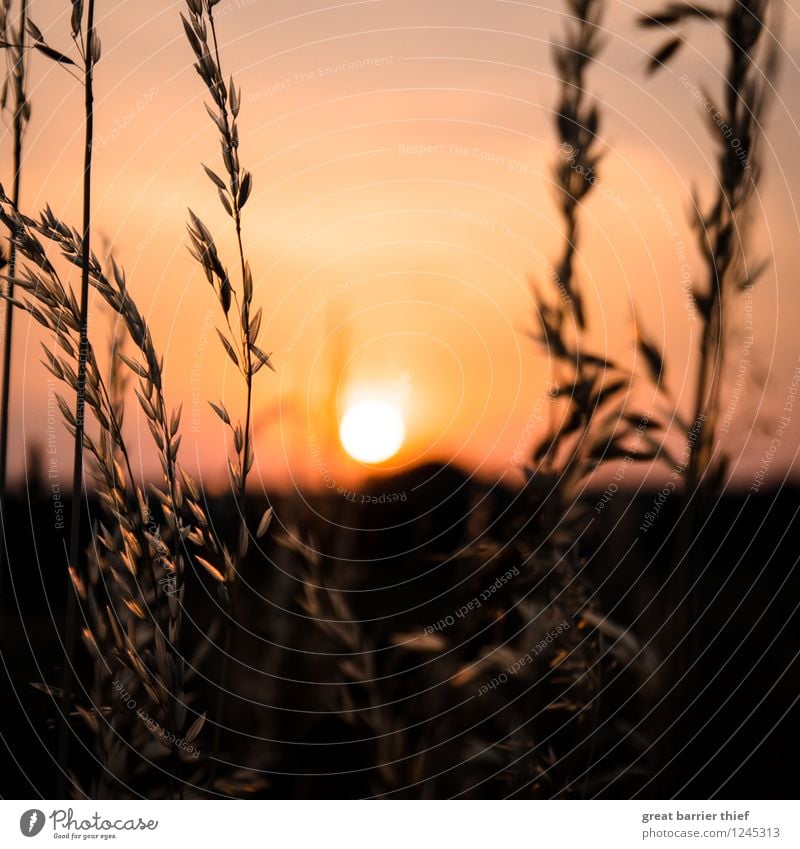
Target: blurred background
<point>402,203</point>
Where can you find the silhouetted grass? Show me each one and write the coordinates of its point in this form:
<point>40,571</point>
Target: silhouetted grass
<point>15,90</point>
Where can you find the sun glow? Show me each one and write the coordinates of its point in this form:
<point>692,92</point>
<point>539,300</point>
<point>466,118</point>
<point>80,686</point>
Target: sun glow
<point>372,431</point>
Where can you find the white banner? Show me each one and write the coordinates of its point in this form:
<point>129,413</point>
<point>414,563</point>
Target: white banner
<point>401,824</point>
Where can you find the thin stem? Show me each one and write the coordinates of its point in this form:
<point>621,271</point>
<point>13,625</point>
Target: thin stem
<point>70,625</point>
<point>245,455</point>
<point>18,75</point>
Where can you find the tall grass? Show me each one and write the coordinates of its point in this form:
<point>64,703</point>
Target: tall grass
<point>736,127</point>
<point>133,590</point>
<point>88,45</point>
<point>15,40</point>
<point>594,423</point>
<point>134,612</point>
<point>239,339</point>
<point>721,229</point>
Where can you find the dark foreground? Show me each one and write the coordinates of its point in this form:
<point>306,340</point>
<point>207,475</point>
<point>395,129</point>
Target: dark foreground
<point>623,676</point>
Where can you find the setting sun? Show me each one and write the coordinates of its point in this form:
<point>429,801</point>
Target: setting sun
<point>372,431</point>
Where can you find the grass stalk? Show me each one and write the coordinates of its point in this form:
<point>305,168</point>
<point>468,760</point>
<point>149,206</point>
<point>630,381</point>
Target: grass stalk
<point>123,633</point>
<point>721,229</point>
<point>595,425</point>
<point>239,341</point>
<point>21,113</point>
<point>70,626</point>
<point>242,493</point>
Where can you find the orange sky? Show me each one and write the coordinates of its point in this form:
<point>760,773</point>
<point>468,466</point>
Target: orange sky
<point>401,155</point>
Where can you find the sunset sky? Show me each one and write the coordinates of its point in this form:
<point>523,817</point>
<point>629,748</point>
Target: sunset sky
<point>401,153</point>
